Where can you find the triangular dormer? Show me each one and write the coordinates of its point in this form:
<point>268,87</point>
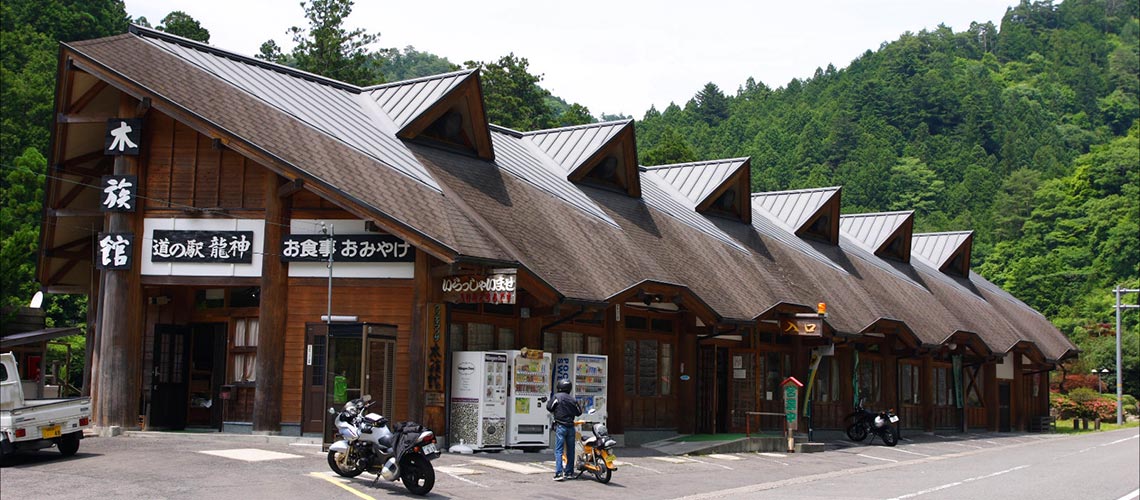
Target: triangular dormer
<point>717,187</point>
<point>948,252</point>
<point>445,110</point>
<point>809,213</point>
<point>598,154</point>
<point>887,234</point>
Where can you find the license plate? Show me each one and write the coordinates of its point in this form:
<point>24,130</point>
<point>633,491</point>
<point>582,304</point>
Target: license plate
<point>430,449</point>
<point>51,431</point>
<point>894,419</point>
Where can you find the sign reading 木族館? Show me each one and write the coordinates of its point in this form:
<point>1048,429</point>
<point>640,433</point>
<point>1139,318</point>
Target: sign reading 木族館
<point>497,288</point>
<point>226,247</point>
<point>346,248</point>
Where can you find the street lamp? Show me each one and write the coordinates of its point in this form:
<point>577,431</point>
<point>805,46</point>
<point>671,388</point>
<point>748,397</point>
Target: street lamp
<point>1099,382</point>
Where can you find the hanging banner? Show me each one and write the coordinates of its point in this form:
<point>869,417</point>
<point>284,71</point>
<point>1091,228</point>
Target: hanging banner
<point>855,380</point>
<point>499,288</point>
<point>436,345</point>
<point>346,248</point>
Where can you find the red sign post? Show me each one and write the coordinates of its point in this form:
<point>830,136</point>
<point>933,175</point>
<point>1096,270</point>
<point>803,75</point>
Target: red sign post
<point>791,408</point>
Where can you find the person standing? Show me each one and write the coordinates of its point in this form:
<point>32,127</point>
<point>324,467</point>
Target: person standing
<point>564,410</point>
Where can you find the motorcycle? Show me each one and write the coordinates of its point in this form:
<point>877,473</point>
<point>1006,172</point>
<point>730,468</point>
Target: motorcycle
<point>594,453</point>
<point>877,424</point>
<point>403,451</point>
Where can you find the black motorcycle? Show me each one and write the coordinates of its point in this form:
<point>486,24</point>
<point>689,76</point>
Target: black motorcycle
<point>401,451</point>
<point>879,424</point>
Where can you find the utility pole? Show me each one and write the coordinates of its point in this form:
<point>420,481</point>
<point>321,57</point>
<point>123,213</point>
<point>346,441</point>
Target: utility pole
<point>1119,386</point>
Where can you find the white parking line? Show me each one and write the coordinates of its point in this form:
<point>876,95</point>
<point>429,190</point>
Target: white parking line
<point>509,466</point>
<point>672,460</point>
<point>623,464</point>
<point>720,456</point>
<point>900,450</point>
<point>1131,496</point>
<point>456,476</point>
<point>770,454</point>
<point>878,458</point>
<point>958,483</point>
<point>710,463</point>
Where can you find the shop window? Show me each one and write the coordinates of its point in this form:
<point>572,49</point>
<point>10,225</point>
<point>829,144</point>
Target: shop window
<point>243,350</point>
<point>211,298</point>
<point>871,381</point>
<point>910,383</point>
<point>827,381</point>
<point>943,386</point>
<point>480,337</point>
<point>661,325</point>
<point>571,343</point>
<point>635,322</point>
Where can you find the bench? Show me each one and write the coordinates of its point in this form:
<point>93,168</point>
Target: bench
<point>1046,423</point>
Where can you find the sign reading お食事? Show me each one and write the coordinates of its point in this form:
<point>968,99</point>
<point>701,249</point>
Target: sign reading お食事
<point>346,248</point>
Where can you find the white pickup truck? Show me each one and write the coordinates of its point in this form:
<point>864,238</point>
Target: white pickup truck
<point>38,423</point>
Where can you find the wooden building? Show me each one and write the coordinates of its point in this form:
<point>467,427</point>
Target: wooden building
<point>197,196</point>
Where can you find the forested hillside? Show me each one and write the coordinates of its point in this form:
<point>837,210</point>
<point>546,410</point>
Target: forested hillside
<point>1025,132</point>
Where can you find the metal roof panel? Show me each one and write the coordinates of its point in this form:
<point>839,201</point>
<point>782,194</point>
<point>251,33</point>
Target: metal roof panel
<point>937,248</point>
<point>570,147</point>
<point>871,230</point>
<point>794,208</point>
<point>697,180</point>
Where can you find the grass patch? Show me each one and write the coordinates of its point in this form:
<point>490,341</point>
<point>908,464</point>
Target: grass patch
<point>1066,426</point>
<point>693,438</point>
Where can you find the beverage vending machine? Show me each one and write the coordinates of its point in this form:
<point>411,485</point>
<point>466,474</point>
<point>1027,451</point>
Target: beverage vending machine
<point>527,422</point>
<point>479,399</point>
<point>588,376</point>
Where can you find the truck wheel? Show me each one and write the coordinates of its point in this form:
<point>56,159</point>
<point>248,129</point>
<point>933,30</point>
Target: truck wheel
<point>69,444</point>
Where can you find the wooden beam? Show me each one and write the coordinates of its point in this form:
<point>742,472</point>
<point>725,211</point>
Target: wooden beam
<point>83,158</point>
<point>80,104</point>
<point>73,212</point>
<point>287,189</point>
<point>93,118</point>
<point>61,272</point>
<point>69,254</point>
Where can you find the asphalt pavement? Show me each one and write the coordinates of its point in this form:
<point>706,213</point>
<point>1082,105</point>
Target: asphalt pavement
<point>1104,465</point>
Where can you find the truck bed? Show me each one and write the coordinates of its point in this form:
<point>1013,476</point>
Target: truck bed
<point>39,413</point>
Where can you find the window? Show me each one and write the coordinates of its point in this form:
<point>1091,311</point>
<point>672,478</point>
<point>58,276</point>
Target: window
<point>827,381</point>
<point>572,343</point>
<point>480,337</point>
<point>943,386</point>
<point>243,350</point>
<point>910,383</point>
<point>871,381</point>
<point>774,366</point>
<point>648,368</point>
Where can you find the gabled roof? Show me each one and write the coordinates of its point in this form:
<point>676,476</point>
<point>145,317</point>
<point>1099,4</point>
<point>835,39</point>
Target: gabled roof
<point>947,252</point>
<point>423,107</point>
<point>580,149</point>
<point>884,233</point>
<point>703,183</point>
<point>799,209</point>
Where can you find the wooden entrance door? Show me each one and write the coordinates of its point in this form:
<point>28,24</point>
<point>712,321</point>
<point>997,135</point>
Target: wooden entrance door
<point>772,368</point>
<point>742,389</point>
<point>706,389</point>
<point>380,374</point>
<point>1003,407</point>
<point>207,374</point>
<point>314,409</point>
<point>169,380</point>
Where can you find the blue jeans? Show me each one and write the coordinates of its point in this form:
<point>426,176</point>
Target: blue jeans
<point>563,440</point>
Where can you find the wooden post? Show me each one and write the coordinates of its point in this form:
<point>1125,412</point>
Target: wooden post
<point>1017,395</point>
<point>118,389</point>
<point>687,388</point>
<point>927,392</point>
<point>846,364</point>
<point>421,296</point>
<point>990,393</point>
<point>615,336</point>
<point>273,314</point>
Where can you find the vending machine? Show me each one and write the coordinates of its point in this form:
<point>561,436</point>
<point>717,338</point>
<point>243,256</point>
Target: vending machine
<point>479,399</point>
<point>588,375</point>
<point>527,421</point>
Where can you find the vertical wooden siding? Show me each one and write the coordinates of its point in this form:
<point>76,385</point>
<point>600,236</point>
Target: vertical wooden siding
<point>371,301</point>
<point>184,170</point>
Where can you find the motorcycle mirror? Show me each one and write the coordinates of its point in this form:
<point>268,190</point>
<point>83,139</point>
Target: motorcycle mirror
<point>332,411</point>
<point>367,398</point>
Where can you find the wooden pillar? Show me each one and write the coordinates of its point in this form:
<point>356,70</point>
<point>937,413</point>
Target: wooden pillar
<point>1043,395</point>
<point>890,379</point>
<point>421,297</point>
<point>843,355</point>
<point>117,394</point>
<point>990,395</point>
<point>927,392</point>
<point>615,338</point>
<point>1017,395</point>
<point>91,342</point>
<point>687,389</point>
<point>272,312</point>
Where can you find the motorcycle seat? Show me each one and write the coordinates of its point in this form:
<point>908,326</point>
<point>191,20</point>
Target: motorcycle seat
<point>590,440</point>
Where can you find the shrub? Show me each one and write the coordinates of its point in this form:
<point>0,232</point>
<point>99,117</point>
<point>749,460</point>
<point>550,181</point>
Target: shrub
<point>1082,395</point>
<point>1064,406</point>
<point>1129,404</point>
<point>1103,408</point>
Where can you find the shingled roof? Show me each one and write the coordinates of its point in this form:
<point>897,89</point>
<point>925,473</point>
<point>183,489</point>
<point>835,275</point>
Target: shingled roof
<point>526,203</point>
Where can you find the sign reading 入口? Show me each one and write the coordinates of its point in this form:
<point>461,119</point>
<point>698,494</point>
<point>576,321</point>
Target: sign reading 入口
<point>346,248</point>
<point>498,288</point>
<point>808,327</point>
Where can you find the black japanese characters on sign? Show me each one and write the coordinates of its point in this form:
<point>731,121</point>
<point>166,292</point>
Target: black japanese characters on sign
<point>119,193</point>
<point>225,247</point>
<point>123,136</point>
<point>346,248</point>
<point>114,251</point>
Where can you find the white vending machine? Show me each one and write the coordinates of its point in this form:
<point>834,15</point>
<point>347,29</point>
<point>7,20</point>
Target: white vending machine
<point>588,375</point>
<point>527,422</point>
<point>479,399</point>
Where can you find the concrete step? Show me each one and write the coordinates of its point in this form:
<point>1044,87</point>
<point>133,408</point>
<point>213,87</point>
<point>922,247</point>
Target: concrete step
<point>810,447</point>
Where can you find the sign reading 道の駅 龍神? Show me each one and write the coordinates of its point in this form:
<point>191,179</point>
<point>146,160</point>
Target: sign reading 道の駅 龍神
<point>226,247</point>
<point>498,288</point>
<point>346,248</point>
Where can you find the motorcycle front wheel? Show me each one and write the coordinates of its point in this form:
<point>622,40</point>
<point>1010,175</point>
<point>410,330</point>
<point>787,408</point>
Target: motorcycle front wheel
<point>418,474</point>
<point>857,432</point>
<point>338,462</point>
<point>602,472</point>
<point>891,437</point>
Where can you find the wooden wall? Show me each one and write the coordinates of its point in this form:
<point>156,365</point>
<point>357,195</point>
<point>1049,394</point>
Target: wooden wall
<point>184,169</point>
<point>387,301</point>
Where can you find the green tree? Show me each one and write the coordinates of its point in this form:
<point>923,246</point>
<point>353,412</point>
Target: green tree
<point>710,104</point>
<point>327,47</point>
<point>181,24</point>
<point>410,63</point>
<point>672,148</point>
<point>511,94</point>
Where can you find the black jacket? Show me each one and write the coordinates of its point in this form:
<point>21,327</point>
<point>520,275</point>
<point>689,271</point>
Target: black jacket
<point>564,408</point>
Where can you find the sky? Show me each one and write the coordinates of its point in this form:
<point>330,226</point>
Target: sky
<point>614,57</point>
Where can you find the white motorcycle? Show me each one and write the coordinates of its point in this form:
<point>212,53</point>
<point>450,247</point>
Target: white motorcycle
<point>368,444</point>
